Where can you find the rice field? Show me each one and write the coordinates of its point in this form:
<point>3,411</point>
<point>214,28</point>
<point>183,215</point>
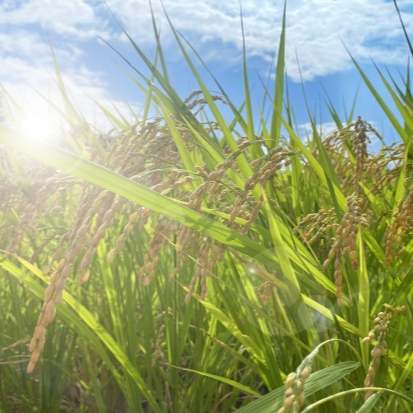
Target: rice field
<point>187,263</point>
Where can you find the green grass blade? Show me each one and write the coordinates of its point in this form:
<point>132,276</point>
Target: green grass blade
<point>223,380</point>
<point>179,142</point>
<point>116,121</point>
<point>237,112</point>
<point>319,380</point>
<point>247,94</point>
<point>244,166</point>
<point>72,113</point>
<point>86,319</point>
<point>370,403</point>
<point>159,50</point>
<point>122,186</point>
<point>381,102</point>
<point>279,85</point>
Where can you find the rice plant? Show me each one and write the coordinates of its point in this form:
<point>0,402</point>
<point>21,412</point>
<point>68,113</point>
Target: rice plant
<point>187,263</point>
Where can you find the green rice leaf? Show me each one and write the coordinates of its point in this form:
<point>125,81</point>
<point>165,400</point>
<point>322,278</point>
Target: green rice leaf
<point>370,403</point>
<point>84,324</point>
<point>318,380</point>
<point>279,85</point>
<point>135,192</point>
<point>223,380</point>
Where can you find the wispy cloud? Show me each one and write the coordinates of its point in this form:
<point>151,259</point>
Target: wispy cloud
<point>324,129</point>
<point>315,32</point>
<point>315,29</point>
<point>78,19</point>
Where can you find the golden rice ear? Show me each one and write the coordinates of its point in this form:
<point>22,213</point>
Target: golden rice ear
<point>294,396</point>
<point>30,367</point>
<point>382,324</point>
<point>84,275</point>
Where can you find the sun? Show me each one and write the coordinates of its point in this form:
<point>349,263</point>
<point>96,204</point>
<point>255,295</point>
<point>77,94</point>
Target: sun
<point>37,125</point>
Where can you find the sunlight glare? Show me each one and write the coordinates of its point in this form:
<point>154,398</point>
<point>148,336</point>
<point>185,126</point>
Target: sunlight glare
<point>37,126</point>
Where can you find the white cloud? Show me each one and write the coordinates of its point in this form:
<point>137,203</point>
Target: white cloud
<point>74,18</point>
<point>315,29</point>
<point>324,129</point>
<point>30,47</point>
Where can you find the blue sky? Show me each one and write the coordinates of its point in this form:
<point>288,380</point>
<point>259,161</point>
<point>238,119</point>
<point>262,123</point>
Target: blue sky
<point>315,32</point>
